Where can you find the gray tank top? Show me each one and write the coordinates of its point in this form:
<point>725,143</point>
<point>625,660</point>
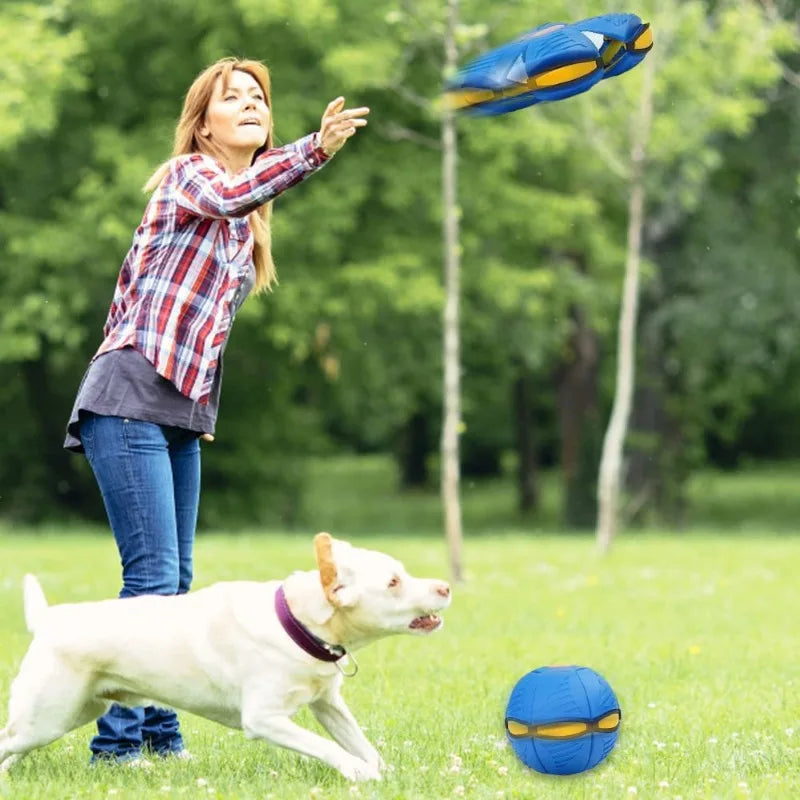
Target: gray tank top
<point>123,383</point>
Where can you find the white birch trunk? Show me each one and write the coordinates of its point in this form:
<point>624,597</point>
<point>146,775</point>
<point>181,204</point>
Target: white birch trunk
<point>450,478</point>
<point>608,484</point>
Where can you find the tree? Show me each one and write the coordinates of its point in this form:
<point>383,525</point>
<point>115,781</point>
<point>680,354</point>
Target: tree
<point>679,167</point>
<point>346,353</point>
<point>611,460</point>
<point>452,361</point>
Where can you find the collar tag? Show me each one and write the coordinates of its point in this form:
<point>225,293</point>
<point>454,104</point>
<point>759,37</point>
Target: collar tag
<point>349,661</point>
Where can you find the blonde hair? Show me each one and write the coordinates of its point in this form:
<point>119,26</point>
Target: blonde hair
<point>188,140</point>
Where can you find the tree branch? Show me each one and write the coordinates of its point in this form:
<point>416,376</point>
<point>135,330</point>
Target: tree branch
<point>396,133</point>
<point>412,96</point>
<point>614,163</point>
<point>790,76</point>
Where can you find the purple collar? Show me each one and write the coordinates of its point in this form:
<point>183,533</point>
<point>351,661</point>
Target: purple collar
<point>303,637</point>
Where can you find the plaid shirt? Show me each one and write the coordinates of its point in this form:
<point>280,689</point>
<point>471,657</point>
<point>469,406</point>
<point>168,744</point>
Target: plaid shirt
<point>189,256</point>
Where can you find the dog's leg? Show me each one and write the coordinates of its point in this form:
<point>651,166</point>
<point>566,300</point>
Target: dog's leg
<point>334,715</point>
<point>7,755</point>
<point>47,700</point>
<point>31,730</point>
<point>7,758</point>
<point>280,730</point>
<point>8,761</point>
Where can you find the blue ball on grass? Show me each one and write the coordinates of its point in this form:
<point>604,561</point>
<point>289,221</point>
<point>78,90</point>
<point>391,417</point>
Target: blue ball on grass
<point>562,720</point>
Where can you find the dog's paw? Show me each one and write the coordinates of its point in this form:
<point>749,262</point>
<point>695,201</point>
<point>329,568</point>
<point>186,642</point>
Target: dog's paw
<point>375,761</point>
<point>356,769</point>
<point>7,763</point>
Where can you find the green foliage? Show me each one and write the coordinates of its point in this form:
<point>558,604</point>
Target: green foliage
<point>40,64</point>
<point>347,350</point>
<point>726,299</point>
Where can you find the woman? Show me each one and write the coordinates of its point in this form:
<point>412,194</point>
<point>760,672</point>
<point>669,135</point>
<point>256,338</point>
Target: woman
<point>152,389</point>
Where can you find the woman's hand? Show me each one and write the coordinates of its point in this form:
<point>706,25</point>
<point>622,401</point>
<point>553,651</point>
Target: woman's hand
<point>339,124</point>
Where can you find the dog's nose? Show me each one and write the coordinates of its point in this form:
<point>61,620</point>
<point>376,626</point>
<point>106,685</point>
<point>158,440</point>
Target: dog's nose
<point>443,589</point>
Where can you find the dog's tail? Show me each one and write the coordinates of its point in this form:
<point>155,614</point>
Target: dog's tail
<point>35,602</point>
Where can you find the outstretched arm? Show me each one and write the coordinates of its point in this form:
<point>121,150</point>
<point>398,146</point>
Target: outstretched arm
<point>204,188</point>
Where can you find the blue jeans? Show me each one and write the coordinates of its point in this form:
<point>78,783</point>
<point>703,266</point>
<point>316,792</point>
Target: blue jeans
<point>149,476</point>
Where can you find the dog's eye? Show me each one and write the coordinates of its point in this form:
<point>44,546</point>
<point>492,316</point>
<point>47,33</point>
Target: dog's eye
<point>394,582</point>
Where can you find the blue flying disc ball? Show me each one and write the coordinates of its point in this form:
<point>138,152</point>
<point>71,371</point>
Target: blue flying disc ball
<point>562,720</point>
<point>552,62</point>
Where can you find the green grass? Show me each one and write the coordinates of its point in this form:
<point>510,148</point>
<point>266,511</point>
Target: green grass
<point>357,495</point>
<point>759,498</point>
<point>697,634</point>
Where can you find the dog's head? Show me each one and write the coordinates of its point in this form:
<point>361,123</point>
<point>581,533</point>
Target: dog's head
<point>373,592</point>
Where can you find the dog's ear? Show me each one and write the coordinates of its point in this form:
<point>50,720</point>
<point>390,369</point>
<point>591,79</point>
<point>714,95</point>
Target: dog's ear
<point>331,576</point>
<point>323,549</point>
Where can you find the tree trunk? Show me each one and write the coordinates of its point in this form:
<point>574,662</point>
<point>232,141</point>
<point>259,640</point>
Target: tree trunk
<point>452,366</point>
<point>413,451</point>
<point>614,441</point>
<point>577,412</point>
<point>527,492</point>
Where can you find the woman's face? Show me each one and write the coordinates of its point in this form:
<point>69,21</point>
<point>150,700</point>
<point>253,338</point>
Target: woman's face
<point>237,117</point>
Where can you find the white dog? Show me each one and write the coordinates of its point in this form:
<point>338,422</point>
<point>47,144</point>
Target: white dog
<point>245,654</point>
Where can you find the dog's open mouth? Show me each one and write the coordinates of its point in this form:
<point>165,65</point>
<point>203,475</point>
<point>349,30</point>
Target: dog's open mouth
<point>429,622</point>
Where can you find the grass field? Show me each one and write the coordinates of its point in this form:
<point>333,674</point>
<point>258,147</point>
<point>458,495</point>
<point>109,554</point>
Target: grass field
<point>695,634</point>
<point>761,499</point>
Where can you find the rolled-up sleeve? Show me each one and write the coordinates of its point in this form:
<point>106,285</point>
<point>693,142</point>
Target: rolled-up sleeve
<point>205,189</point>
